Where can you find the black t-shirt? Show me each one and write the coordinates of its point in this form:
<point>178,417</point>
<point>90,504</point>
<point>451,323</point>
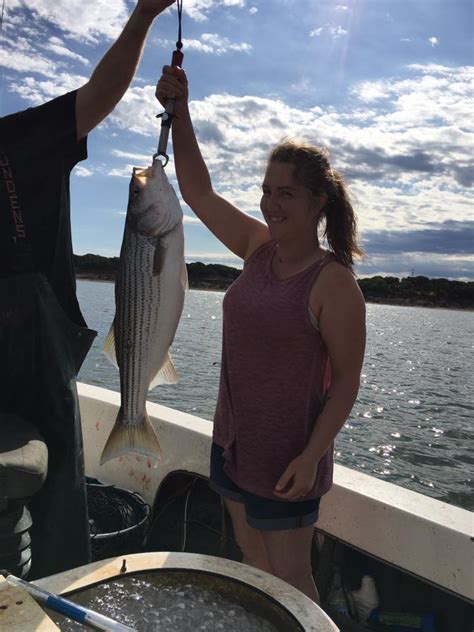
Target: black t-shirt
<point>38,149</point>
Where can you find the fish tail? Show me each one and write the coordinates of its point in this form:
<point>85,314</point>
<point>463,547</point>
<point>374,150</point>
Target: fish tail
<point>124,438</point>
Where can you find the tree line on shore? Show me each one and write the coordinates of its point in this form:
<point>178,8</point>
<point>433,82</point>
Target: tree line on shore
<point>414,290</point>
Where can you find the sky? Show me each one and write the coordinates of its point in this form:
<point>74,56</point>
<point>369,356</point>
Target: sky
<point>385,85</point>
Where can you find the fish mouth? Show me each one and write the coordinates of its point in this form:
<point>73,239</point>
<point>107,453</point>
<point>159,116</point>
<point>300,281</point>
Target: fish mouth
<point>141,175</point>
<point>146,173</point>
<point>142,172</point>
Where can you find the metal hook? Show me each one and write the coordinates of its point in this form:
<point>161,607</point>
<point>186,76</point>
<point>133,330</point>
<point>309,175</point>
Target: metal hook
<point>166,118</point>
<point>161,154</point>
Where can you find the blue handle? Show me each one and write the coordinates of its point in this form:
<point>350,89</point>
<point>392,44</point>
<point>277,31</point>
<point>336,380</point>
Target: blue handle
<point>68,609</point>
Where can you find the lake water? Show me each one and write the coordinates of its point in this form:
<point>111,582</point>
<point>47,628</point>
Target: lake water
<point>412,422</point>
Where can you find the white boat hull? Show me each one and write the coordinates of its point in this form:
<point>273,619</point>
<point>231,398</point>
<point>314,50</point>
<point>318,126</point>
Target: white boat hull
<point>418,534</point>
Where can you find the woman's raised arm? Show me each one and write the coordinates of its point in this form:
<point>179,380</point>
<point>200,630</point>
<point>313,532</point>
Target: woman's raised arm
<point>234,228</point>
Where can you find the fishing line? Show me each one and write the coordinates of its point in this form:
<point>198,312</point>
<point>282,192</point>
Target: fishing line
<point>167,115</point>
<point>179,6</point>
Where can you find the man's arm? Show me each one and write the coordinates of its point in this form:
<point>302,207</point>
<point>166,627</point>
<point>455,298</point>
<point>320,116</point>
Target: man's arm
<point>114,73</point>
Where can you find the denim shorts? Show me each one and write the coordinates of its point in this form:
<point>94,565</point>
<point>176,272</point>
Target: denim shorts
<point>263,514</point>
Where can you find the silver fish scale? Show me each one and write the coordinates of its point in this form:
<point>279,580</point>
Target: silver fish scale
<point>138,299</point>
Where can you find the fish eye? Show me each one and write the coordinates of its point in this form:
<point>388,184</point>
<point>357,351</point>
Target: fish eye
<point>135,192</point>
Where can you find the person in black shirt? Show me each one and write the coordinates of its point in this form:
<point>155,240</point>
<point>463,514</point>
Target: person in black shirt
<point>43,335</point>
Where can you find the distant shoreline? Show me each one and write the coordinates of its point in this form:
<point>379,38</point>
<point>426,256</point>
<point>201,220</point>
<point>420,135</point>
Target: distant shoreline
<point>104,279</point>
<point>374,288</point>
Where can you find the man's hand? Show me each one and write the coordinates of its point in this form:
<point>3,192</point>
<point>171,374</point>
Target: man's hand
<point>298,479</point>
<point>152,8</point>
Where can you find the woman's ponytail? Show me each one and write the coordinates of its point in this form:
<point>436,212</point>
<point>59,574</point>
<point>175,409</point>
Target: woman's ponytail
<point>340,220</point>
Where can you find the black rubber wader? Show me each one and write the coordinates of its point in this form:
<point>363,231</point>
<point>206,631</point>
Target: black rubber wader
<point>41,352</point>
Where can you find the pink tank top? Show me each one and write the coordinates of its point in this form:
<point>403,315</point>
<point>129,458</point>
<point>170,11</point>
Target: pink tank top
<point>275,373</point>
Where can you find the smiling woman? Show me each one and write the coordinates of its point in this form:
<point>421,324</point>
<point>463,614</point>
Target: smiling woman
<point>293,343</point>
<point>287,205</point>
<point>304,176</point>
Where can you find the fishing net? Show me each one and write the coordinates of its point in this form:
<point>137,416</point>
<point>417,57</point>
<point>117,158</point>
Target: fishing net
<point>118,520</point>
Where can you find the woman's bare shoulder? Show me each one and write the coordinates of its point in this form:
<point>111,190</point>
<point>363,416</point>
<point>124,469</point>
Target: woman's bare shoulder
<point>337,285</point>
<point>335,271</point>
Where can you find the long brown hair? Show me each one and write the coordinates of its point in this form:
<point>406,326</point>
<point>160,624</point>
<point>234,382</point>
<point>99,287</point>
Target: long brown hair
<point>313,170</point>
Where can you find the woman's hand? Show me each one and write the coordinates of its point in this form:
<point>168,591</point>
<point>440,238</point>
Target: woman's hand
<point>298,478</point>
<point>173,84</point>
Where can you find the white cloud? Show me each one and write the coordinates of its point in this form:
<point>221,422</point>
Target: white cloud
<point>335,32</point>
<point>25,62</point>
<point>211,43</point>
<point>338,31</point>
<point>121,172</point>
<point>36,91</point>
<point>434,41</point>
<point>91,20</point>
<point>402,159</point>
<point>191,219</point>
<point>341,7</point>
<point>82,172</point>
<point>137,158</point>
<point>137,112</point>
<point>56,46</point>
<point>33,50</point>
<point>434,93</point>
<point>370,91</point>
<point>253,10</point>
<point>18,53</point>
<point>409,125</point>
<point>405,143</point>
<point>198,9</point>
<point>84,20</point>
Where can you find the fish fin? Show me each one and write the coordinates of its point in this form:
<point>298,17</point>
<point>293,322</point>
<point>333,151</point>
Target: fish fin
<point>184,277</point>
<point>124,438</point>
<point>167,373</point>
<point>158,258</point>
<point>109,346</point>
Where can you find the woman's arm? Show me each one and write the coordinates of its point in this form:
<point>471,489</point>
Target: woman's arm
<point>235,229</point>
<point>341,316</point>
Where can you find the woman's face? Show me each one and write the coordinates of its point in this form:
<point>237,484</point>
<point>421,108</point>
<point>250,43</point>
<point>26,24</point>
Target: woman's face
<point>289,208</point>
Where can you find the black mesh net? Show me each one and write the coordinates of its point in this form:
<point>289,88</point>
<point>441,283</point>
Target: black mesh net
<point>118,520</point>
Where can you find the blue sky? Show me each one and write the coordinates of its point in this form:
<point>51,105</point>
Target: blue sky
<point>386,85</point>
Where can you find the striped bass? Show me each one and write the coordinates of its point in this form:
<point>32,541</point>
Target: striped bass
<point>149,295</point>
